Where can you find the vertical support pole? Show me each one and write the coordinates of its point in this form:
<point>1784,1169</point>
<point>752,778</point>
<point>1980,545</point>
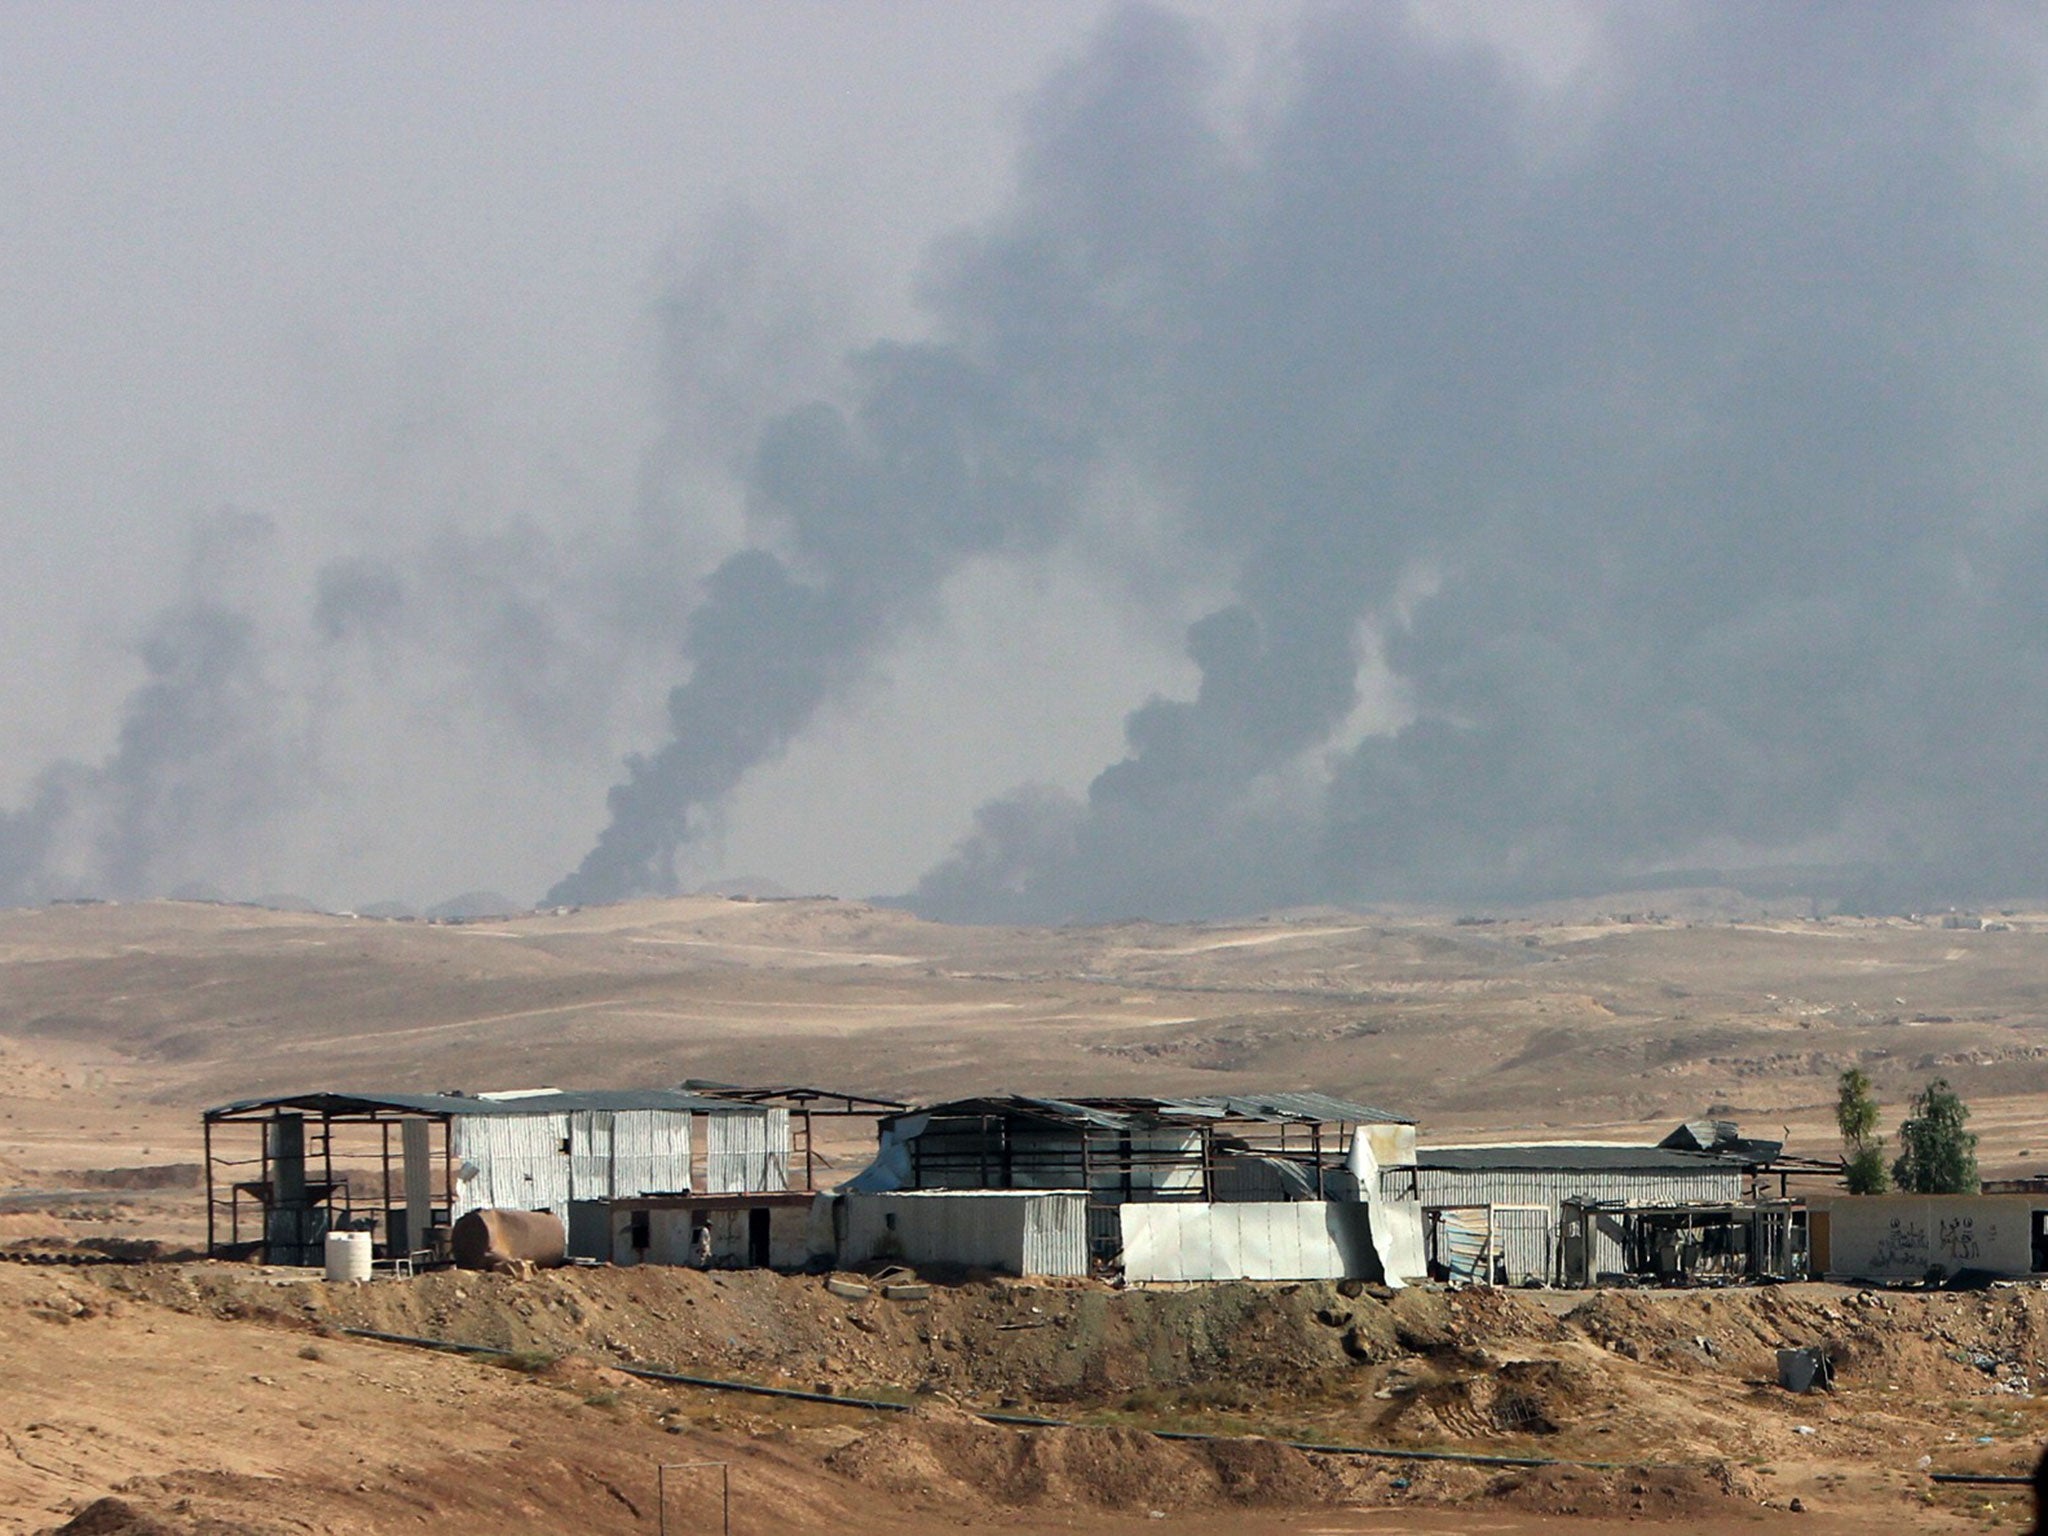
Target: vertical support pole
<point>448,1165</point>
<point>327,1159</point>
<point>810,1169</point>
<point>206,1124</point>
<point>384,1194</point>
<point>1315,1149</point>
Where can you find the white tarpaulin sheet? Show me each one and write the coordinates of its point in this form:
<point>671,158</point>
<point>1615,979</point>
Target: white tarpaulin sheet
<point>1263,1240</point>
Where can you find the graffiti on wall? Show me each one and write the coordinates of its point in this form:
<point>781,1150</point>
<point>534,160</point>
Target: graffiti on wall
<point>1958,1237</point>
<point>1903,1246</point>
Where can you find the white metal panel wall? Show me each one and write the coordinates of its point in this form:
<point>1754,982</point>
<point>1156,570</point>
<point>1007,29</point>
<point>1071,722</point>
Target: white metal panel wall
<point>1290,1240</point>
<point>519,1162</point>
<point>650,1152</point>
<point>987,1231</point>
<point>746,1150</point>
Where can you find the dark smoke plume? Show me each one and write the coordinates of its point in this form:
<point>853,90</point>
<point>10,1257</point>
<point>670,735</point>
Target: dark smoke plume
<point>1680,455</point>
<point>1716,428</point>
<point>202,758</point>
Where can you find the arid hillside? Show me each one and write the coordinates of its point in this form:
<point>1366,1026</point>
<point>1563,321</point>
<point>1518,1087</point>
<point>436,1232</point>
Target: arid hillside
<point>119,1023</point>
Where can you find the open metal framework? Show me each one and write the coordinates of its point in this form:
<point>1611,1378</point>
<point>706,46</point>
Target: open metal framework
<point>1684,1243</point>
<point>1133,1148</point>
<point>327,1161</point>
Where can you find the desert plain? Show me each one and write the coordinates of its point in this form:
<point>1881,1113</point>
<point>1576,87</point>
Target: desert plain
<point>165,1394</point>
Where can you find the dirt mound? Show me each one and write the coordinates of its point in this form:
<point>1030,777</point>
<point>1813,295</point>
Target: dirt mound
<point>147,1176</point>
<point>1910,1342</point>
<point>1658,1492</point>
<point>942,1452</point>
<point>1514,1397</point>
<point>117,1517</point>
<point>111,1517</point>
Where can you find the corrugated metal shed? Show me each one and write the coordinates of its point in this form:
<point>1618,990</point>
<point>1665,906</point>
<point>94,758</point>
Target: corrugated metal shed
<point>1546,1177</point>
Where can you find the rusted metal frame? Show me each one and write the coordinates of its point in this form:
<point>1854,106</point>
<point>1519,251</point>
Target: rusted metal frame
<point>206,1133</point>
<point>327,1167</point>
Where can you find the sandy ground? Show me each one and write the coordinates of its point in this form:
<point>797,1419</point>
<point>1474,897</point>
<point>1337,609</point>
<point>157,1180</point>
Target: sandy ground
<point>118,1024</point>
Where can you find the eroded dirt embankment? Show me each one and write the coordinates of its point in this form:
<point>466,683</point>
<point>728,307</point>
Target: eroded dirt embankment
<point>1685,1375</point>
<point>1676,1390</point>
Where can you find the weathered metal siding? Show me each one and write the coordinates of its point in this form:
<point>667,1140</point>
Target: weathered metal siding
<point>1288,1240</point>
<point>1016,1233</point>
<point>518,1161</point>
<point>1055,1237</point>
<point>746,1150</point>
<point>590,1154</point>
<point>650,1152</point>
<point>1530,1248</point>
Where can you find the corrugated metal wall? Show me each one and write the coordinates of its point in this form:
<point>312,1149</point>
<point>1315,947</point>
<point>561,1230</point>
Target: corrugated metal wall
<point>650,1152</point>
<point>1529,1246</point>
<point>1291,1240</point>
<point>1055,1236</point>
<point>746,1150</point>
<point>519,1161</point>
<point>590,1154</point>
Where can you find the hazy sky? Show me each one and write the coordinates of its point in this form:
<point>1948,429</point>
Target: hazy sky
<point>389,277</point>
<point>1062,458</point>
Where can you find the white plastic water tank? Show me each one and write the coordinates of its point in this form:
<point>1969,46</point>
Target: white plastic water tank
<point>348,1255</point>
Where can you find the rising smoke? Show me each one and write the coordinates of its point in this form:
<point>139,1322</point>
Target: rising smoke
<point>1706,406</point>
<point>203,752</point>
<point>1614,475</point>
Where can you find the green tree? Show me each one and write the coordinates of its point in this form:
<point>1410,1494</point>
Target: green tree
<point>1862,1148</point>
<point>1936,1155</point>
